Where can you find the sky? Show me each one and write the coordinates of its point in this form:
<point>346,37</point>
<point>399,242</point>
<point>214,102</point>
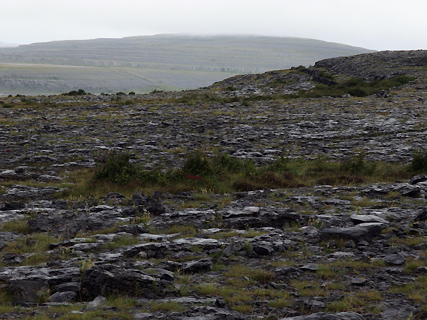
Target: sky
<point>371,24</point>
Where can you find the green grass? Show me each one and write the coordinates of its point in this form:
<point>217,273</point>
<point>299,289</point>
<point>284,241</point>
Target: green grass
<point>37,243</point>
<point>121,302</point>
<point>20,226</point>
<point>169,306</point>
<point>309,288</point>
<point>416,290</point>
<point>186,230</point>
<point>408,241</point>
<point>224,174</point>
<point>236,272</point>
<point>350,302</point>
<point>121,241</point>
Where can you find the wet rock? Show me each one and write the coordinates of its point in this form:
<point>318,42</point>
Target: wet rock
<point>68,286</point>
<point>232,248</point>
<point>394,259</point>
<point>262,249</point>
<point>202,265</point>
<point>421,270</point>
<point>155,207</point>
<point>63,297</point>
<point>398,309</point>
<point>134,229</point>
<point>160,273</point>
<point>28,290</point>
<point>13,206</point>
<point>358,281</point>
<point>363,231</point>
<point>417,179</point>
<point>421,216</point>
<point>111,279</point>
<point>9,258</point>
<point>152,248</point>
<point>328,316</point>
<point>254,217</point>
<point>57,223</point>
<point>207,244</point>
<point>286,271</point>
<point>409,191</point>
<point>310,267</point>
<point>357,219</point>
<point>97,302</point>
<point>24,192</point>
<point>138,199</point>
<point>101,208</point>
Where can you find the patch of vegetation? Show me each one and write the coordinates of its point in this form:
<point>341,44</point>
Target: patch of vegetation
<point>356,87</point>
<point>235,272</point>
<point>116,168</point>
<point>416,290</point>
<point>186,230</point>
<point>350,302</point>
<point>79,92</point>
<point>419,161</point>
<point>15,226</point>
<point>222,173</point>
<point>169,306</point>
<point>121,241</point>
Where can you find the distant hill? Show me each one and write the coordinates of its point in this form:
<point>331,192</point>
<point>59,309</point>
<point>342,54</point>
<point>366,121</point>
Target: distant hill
<point>5,45</point>
<point>142,64</point>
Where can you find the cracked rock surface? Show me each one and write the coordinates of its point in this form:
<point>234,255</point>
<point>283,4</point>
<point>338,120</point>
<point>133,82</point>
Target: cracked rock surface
<point>321,252</point>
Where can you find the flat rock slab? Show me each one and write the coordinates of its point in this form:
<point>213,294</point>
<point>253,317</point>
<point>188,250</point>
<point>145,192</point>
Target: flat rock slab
<point>363,231</point>
<point>328,316</point>
<point>357,219</point>
<point>394,259</point>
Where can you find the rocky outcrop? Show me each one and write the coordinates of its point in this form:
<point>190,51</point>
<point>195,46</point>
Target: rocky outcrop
<point>321,252</point>
<point>378,65</point>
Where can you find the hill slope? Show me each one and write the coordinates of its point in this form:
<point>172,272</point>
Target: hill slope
<point>278,208</point>
<point>149,62</point>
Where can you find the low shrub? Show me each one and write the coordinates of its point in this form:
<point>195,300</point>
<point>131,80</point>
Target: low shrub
<point>197,164</point>
<point>419,161</point>
<point>79,92</point>
<point>116,168</point>
<point>357,165</point>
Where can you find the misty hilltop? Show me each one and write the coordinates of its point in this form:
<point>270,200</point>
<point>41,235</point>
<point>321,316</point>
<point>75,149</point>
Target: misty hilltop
<point>145,63</point>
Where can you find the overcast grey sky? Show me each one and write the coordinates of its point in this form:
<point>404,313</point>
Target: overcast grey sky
<point>373,24</point>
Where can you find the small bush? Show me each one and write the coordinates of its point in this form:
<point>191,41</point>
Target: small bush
<point>419,161</point>
<point>326,75</point>
<point>79,92</point>
<point>230,88</point>
<point>357,165</point>
<point>225,162</point>
<point>300,68</point>
<point>29,102</point>
<point>117,169</point>
<point>197,164</point>
<point>244,186</point>
<point>357,92</point>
